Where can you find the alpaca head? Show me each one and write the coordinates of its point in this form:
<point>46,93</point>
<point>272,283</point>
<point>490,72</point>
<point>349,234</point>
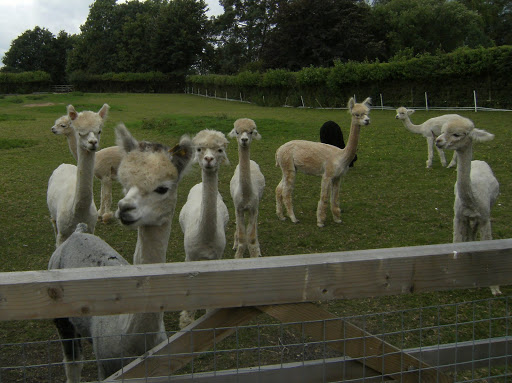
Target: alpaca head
<point>62,126</point>
<point>244,131</point>
<point>210,149</point>
<point>88,126</point>
<point>403,113</point>
<point>360,111</point>
<point>149,174</point>
<point>460,134</point>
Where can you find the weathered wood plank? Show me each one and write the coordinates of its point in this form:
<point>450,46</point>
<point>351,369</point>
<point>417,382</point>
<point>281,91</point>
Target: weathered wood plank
<point>171,355</point>
<point>356,343</point>
<point>254,282</point>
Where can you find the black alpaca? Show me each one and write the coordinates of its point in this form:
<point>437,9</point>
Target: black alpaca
<point>330,133</point>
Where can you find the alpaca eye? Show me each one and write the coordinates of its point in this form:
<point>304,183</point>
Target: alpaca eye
<point>198,149</point>
<point>220,150</point>
<point>161,190</point>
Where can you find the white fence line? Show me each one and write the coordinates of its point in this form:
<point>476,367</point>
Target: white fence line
<point>427,107</point>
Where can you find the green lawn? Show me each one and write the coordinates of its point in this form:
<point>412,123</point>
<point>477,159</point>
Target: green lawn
<point>389,199</point>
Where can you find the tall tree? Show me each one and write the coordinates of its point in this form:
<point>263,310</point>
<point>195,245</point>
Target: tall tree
<point>179,37</point>
<point>427,26</point>
<point>39,49</point>
<point>310,32</point>
<point>241,33</point>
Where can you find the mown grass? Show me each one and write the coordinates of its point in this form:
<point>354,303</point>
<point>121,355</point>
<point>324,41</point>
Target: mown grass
<point>389,199</point>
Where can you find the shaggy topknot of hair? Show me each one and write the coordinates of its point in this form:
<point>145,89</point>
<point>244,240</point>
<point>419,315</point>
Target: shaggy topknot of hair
<point>210,139</point>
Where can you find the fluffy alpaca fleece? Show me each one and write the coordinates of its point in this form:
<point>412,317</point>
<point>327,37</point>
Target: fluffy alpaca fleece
<point>105,165</point>
<point>476,189</point>
<point>150,174</point>
<point>246,189</point>
<point>70,188</point>
<point>430,129</point>
<point>326,161</point>
<point>204,216</point>
<point>330,133</point>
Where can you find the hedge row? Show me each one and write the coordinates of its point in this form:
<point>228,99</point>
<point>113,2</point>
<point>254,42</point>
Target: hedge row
<point>449,79</point>
<point>150,82</point>
<point>24,82</point>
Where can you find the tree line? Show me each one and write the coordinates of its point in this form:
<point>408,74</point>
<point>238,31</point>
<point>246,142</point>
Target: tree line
<point>176,36</point>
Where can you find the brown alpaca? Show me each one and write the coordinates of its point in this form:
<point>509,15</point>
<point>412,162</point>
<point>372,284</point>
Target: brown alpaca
<point>317,159</point>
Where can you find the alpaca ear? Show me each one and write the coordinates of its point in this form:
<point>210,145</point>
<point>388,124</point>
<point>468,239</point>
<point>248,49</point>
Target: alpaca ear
<point>351,103</point>
<point>182,153</point>
<point>410,111</point>
<point>124,139</point>
<point>480,135</point>
<point>232,134</point>
<point>368,102</point>
<point>226,159</point>
<point>104,111</point>
<point>72,112</point>
<point>256,135</point>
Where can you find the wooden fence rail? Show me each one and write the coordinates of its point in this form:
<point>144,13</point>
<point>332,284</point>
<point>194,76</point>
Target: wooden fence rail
<point>254,282</point>
<point>282,287</point>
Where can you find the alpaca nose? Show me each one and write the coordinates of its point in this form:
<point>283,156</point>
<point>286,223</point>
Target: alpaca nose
<point>125,206</point>
<point>208,158</point>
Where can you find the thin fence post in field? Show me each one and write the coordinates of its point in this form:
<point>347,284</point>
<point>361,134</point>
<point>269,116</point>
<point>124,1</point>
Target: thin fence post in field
<point>426,101</point>
<point>381,103</point>
<point>241,97</point>
<point>226,96</point>
<point>474,99</point>
<point>302,102</point>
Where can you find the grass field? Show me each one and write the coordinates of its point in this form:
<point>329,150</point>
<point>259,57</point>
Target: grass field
<point>389,199</point>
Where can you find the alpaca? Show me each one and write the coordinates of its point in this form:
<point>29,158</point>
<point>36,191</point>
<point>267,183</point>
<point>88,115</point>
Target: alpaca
<point>105,165</point>
<point>319,159</point>
<point>150,174</point>
<point>330,133</point>
<point>246,188</point>
<point>70,188</point>
<point>430,129</point>
<point>476,188</point>
<point>204,216</point>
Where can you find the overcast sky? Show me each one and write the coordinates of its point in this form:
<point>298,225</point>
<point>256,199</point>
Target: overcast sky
<point>16,16</point>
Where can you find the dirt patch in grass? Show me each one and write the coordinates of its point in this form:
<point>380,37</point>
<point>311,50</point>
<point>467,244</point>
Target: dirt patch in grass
<point>39,104</point>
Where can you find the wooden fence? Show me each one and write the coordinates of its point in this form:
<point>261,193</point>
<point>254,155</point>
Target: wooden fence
<point>236,291</point>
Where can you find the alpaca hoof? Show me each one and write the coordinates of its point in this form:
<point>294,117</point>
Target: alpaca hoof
<point>495,290</point>
<point>106,217</point>
<point>338,220</point>
<point>281,217</point>
<point>320,224</point>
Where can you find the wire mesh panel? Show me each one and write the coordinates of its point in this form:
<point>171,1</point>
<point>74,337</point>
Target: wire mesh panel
<point>466,342</point>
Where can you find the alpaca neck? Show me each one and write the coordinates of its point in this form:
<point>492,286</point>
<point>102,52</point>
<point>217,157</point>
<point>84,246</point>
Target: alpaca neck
<point>84,183</point>
<point>152,244</point>
<point>464,190</point>
<point>244,156</point>
<point>353,139</point>
<point>411,127</point>
<point>208,217</point>
<point>71,138</point>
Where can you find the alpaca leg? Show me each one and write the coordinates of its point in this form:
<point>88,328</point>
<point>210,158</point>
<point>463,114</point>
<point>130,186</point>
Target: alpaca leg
<point>453,162</point>
<point>235,242</point>
<point>240,233</point>
<point>279,201</point>
<point>106,200</point>
<point>441,155</point>
<point>287,192</point>
<point>186,318</point>
<point>322,203</point>
<point>461,229</point>
<point>430,148</point>
<point>71,348</point>
<point>252,229</point>
<point>335,199</point>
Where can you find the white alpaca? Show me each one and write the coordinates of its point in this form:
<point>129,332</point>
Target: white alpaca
<point>319,159</point>
<point>150,174</point>
<point>105,165</point>
<point>476,188</point>
<point>246,188</point>
<point>430,129</point>
<point>204,216</point>
<point>70,188</point>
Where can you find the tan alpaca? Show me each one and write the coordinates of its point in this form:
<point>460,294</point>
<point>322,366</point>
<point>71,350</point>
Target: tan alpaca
<point>105,165</point>
<point>70,188</point>
<point>476,189</point>
<point>317,159</point>
<point>246,188</point>
<point>150,174</point>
